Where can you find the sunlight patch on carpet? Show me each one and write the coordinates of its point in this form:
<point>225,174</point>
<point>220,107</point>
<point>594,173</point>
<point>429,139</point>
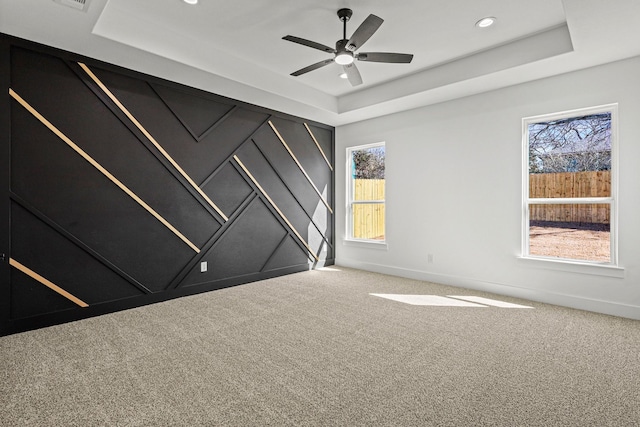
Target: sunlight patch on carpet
<point>488,301</point>
<point>449,301</point>
<point>435,300</point>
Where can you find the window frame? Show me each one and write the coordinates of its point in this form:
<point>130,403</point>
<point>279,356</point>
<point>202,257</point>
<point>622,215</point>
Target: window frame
<point>612,200</point>
<point>350,185</point>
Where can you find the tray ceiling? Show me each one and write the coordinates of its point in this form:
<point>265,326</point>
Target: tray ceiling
<point>236,48</point>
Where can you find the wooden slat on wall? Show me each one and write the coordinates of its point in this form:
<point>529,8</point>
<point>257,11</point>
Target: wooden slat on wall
<point>319,147</point>
<point>304,172</point>
<point>49,284</point>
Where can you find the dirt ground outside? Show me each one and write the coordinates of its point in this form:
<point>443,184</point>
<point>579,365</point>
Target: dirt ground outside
<point>585,242</point>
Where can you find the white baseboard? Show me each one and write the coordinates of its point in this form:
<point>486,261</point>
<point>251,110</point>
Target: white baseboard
<point>572,301</point>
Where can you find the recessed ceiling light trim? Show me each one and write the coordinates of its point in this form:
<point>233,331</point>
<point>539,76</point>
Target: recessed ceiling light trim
<point>486,22</point>
<point>192,2</point>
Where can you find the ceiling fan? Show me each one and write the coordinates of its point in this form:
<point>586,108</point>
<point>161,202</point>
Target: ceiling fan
<point>345,50</point>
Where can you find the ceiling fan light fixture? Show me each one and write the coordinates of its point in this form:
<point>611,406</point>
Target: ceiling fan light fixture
<point>486,22</point>
<point>344,55</point>
<point>344,58</point>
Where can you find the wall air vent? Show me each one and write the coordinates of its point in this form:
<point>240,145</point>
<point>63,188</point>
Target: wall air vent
<point>81,5</point>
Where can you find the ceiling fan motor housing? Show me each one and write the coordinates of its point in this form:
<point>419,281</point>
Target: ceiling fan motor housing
<point>341,45</point>
<point>345,14</point>
<point>343,55</point>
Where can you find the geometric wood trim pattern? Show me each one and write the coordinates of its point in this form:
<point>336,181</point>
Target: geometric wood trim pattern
<point>295,159</point>
<point>180,279</point>
<point>264,193</point>
<point>170,146</point>
<point>151,138</point>
<point>216,124</point>
<point>47,283</point>
<point>196,136</point>
<point>105,172</point>
<point>307,214</point>
<point>324,156</point>
<point>247,140</point>
<point>70,237</point>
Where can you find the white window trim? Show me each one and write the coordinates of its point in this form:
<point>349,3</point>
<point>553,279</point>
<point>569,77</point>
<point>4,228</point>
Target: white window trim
<point>610,268</point>
<point>348,239</point>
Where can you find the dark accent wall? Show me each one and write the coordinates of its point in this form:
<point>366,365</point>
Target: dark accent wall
<point>117,187</point>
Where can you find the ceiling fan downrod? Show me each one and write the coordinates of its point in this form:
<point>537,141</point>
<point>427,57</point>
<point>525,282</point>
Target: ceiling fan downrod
<point>344,15</point>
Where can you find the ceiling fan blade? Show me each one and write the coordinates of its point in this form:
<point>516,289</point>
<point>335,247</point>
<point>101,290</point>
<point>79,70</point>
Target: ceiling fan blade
<point>364,32</point>
<point>353,74</point>
<point>398,58</point>
<point>312,67</point>
<point>309,43</point>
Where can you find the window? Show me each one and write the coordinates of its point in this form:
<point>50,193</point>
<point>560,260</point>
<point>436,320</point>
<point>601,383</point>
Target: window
<point>365,194</point>
<point>570,186</point>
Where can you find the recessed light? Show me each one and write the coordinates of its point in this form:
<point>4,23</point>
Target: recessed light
<point>343,75</point>
<point>190,1</point>
<point>486,22</point>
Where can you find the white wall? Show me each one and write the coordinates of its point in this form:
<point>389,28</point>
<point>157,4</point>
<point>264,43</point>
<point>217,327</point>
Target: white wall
<point>454,184</point>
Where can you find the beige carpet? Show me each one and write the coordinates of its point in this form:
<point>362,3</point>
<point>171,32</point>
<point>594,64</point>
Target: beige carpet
<point>316,348</point>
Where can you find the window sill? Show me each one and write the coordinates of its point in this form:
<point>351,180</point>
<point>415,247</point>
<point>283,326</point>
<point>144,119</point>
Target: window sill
<point>606,270</point>
<point>370,244</point>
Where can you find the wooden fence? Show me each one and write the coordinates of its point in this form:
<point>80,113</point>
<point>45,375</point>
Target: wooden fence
<point>570,184</point>
<point>368,219</point>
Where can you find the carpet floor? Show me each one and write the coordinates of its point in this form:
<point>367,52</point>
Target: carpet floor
<point>316,348</point>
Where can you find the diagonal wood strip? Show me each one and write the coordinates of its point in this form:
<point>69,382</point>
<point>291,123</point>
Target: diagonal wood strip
<point>97,165</point>
<point>318,145</point>
<point>46,282</point>
<point>264,193</point>
<point>295,159</point>
<point>151,139</point>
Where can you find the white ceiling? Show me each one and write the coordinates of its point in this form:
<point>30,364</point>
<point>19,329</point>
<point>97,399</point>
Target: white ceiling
<point>235,48</point>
